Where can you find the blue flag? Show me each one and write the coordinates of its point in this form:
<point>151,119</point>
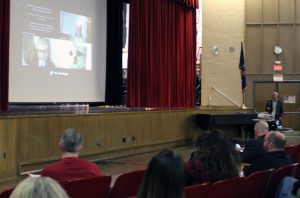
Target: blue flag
<point>243,68</point>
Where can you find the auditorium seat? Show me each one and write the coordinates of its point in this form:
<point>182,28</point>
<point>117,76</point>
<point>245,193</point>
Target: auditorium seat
<point>229,188</point>
<point>6,193</point>
<point>289,150</point>
<point>93,187</point>
<point>296,154</point>
<point>278,175</point>
<point>256,184</point>
<point>197,190</point>
<point>127,184</point>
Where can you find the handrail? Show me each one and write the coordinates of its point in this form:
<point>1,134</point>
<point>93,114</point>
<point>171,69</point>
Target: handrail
<point>232,101</point>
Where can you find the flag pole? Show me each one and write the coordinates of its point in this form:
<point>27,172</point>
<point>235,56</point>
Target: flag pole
<point>242,68</point>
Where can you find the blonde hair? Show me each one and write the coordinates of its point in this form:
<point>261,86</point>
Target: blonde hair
<point>42,187</point>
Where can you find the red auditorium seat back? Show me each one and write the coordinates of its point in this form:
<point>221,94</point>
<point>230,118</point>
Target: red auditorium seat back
<point>93,187</point>
<point>229,188</point>
<point>256,184</point>
<point>296,154</point>
<point>127,184</point>
<point>278,175</point>
<point>196,191</point>
<point>6,193</point>
<point>289,150</point>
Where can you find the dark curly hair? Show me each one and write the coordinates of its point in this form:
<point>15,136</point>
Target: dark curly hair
<point>217,153</point>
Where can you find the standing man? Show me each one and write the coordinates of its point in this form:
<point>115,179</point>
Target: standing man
<point>71,166</point>
<point>275,108</point>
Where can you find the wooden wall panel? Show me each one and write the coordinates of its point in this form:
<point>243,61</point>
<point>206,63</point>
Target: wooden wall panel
<point>280,26</point>
<point>253,49</point>
<point>186,122</point>
<point>270,13</point>
<point>114,128</point>
<point>290,89</point>
<point>286,11</point>
<point>269,39</point>
<point>262,93</point>
<point>151,134</point>
<point>297,11</point>
<point>254,11</point>
<point>167,126</point>
<point>297,49</point>
<point>286,40</point>
<point>291,120</point>
<point>8,149</point>
<point>36,139</point>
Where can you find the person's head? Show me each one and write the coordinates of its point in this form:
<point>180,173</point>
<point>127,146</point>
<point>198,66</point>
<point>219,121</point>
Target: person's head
<point>260,128</point>
<point>71,141</point>
<point>41,187</point>
<point>274,141</point>
<point>275,95</point>
<point>216,151</point>
<point>164,177</point>
<point>42,49</point>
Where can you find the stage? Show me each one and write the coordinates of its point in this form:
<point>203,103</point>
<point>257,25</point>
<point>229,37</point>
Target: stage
<point>29,136</point>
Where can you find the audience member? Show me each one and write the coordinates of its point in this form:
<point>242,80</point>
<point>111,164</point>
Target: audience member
<point>215,159</point>
<point>254,148</point>
<point>164,177</point>
<point>71,166</point>
<point>296,189</point>
<point>39,187</point>
<point>286,188</point>
<point>275,157</point>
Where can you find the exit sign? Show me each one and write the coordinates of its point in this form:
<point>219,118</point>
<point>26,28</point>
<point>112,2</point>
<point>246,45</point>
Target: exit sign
<point>277,67</point>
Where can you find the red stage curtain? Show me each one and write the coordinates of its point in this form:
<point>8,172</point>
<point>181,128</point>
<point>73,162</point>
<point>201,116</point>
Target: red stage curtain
<point>189,3</point>
<point>161,60</point>
<point>4,53</point>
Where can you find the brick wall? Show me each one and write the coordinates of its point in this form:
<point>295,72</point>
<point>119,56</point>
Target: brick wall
<point>223,26</point>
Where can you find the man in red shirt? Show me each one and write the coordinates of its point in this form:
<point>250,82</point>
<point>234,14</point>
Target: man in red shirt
<point>71,166</point>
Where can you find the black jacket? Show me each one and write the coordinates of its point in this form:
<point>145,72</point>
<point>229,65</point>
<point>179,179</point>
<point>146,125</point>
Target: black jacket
<point>279,108</point>
<point>253,150</point>
<point>275,159</point>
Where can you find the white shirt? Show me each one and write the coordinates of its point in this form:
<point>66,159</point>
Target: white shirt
<point>274,104</point>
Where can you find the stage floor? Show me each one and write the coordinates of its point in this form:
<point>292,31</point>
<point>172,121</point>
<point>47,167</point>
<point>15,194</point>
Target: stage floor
<point>75,109</point>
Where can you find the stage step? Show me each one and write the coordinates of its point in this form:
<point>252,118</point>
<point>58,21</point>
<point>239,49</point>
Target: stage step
<point>292,137</point>
<point>291,133</point>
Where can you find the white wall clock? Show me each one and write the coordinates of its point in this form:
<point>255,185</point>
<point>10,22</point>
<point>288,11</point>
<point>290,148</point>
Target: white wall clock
<point>277,50</point>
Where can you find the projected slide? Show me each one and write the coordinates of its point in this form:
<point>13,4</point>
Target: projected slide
<point>55,47</point>
<point>55,53</point>
<point>71,50</point>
